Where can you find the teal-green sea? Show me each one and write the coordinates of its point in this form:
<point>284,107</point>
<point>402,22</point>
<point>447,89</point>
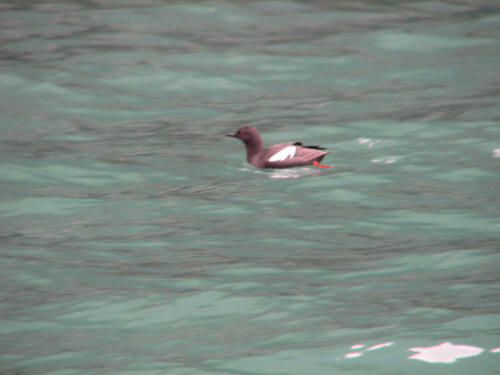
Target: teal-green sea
<point>136,239</point>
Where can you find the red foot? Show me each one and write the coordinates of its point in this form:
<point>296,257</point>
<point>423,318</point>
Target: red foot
<point>317,164</point>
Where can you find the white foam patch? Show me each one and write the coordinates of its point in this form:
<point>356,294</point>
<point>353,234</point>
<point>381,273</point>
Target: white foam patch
<point>357,346</point>
<point>287,152</point>
<point>368,141</point>
<point>381,345</point>
<point>292,172</point>
<point>387,160</point>
<point>361,346</point>
<point>353,355</point>
<point>496,153</point>
<point>495,350</point>
<point>445,352</point>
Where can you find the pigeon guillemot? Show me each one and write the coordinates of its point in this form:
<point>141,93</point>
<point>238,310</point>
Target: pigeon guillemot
<point>281,155</point>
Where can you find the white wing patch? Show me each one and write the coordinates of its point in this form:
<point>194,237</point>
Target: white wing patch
<point>287,152</point>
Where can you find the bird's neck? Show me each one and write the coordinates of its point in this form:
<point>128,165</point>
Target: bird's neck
<point>253,147</point>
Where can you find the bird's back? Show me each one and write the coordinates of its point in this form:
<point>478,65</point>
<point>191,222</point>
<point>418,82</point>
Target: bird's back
<point>288,154</point>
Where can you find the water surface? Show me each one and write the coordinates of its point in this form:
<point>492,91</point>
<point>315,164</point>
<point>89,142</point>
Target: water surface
<point>135,239</point>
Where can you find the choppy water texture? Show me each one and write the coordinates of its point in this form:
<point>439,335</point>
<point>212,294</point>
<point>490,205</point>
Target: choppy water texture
<point>135,239</point>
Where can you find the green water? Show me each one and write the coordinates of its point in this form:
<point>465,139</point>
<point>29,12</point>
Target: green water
<point>135,239</point>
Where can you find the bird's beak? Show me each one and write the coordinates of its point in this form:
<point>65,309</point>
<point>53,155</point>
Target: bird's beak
<point>231,135</point>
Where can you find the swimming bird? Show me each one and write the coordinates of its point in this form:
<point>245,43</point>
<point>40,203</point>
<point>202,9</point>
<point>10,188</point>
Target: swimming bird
<point>281,155</point>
